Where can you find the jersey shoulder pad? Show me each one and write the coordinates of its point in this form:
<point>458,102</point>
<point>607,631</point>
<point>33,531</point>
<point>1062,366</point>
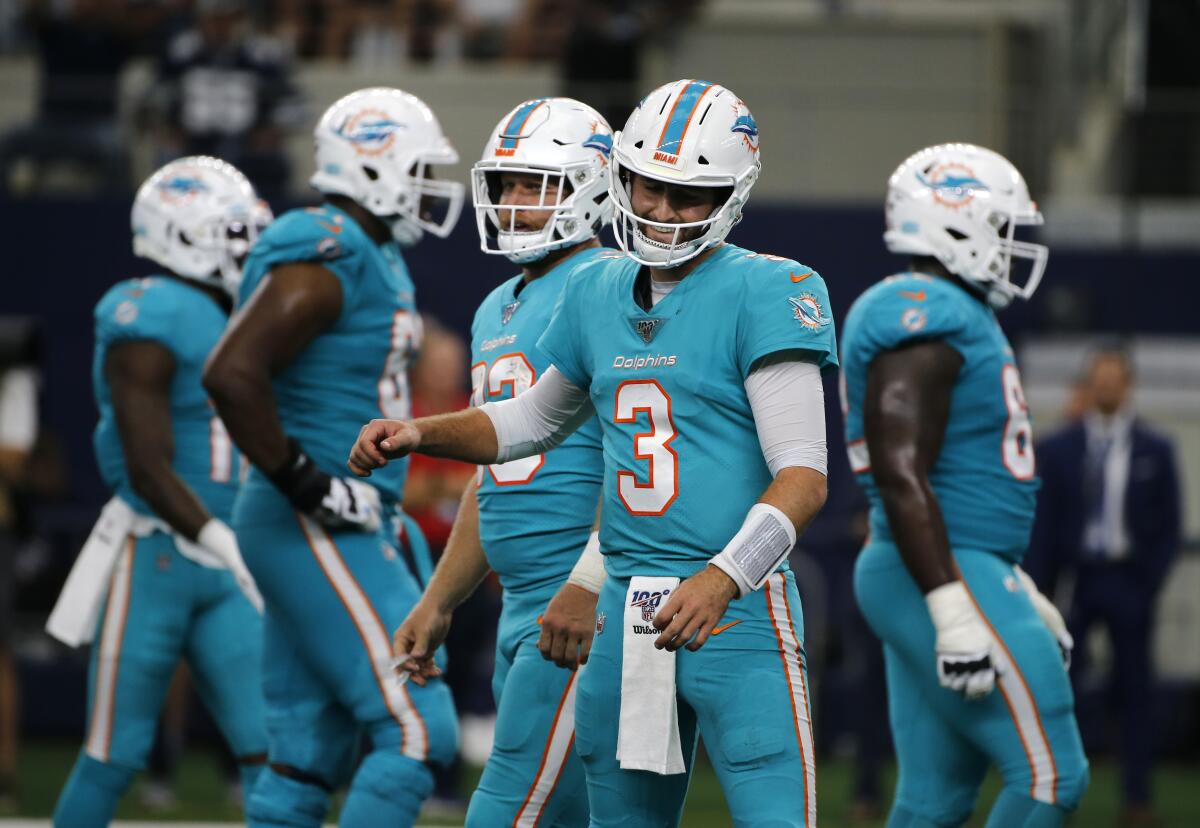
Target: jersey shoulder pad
<point>145,308</point>
<point>769,283</point>
<point>907,307</point>
<point>313,234</point>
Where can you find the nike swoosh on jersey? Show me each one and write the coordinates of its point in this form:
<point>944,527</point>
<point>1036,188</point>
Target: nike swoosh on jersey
<point>332,228</point>
<point>801,277</point>
<point>724,627</point>
<point>915,295</point>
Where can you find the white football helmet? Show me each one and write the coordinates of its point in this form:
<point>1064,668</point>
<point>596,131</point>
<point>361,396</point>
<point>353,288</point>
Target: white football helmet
<point>198,217</point>
<point>962,204</point>
<point>692,133</point>
<point>378,147</point>
<point>565,142</point>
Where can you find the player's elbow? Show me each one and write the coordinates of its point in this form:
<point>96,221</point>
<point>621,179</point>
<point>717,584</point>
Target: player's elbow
<point>223,378</point>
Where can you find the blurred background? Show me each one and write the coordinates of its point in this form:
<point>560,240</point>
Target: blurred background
<point>1096,101</point>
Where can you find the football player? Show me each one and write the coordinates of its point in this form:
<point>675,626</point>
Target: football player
<point>322,339</point>
<point>940,438</point>
<point>162,551</point>
<point>703,363</point>
<point>528,520</point>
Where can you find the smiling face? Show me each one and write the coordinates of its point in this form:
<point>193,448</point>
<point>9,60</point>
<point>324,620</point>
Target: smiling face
<point>656,201</point>
<point>525,189</point>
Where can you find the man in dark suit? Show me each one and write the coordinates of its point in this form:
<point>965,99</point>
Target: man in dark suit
<point>1109,511</point>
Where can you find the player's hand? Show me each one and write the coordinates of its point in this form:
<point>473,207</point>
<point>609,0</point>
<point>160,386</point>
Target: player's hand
<point>567,627</point>
<point>334,502</point>
<point>220,540</point>
<point>417,639</point>
<point>694,608</point>
<point>380,441</point>
<point>1050,616</point>
<point>964,643</point>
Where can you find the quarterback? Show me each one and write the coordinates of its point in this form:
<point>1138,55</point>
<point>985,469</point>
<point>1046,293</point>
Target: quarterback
<point>702,362</point>
<point>530,519</point>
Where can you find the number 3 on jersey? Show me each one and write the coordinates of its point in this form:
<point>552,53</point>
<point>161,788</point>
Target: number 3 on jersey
<point>656,495</point>
<point>489,383</point>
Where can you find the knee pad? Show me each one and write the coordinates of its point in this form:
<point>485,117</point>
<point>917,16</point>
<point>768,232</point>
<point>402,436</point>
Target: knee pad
<point>248,773</point>
<point>951,812</point>
<point>279,801</point>
<point>902,817</point>
<point>442,728</point>
<point>388,789</point>
<point>1073,782</point>
<point>91,793</point>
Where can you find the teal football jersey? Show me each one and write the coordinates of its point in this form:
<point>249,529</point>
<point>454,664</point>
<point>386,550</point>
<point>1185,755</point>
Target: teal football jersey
<point>188,323</point>
<point>535,514</point>
<point>682,459</point>
<point>357,370</point>
<point>984,477</point>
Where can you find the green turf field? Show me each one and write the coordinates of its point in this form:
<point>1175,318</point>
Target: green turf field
<point>203,795</point>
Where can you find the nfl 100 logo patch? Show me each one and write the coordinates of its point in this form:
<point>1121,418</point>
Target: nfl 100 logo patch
<point>506,313</point>
<point>649,602</point>
<point>646,327</point>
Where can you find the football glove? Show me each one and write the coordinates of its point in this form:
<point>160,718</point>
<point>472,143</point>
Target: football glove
<point>334,502</point>
<point>217,538</point>
<point>964,643</point>
<point>1050,616</point>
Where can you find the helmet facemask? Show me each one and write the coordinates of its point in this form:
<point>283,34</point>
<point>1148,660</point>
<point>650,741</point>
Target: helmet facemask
<point>561,190</point>
<point>686,243</point>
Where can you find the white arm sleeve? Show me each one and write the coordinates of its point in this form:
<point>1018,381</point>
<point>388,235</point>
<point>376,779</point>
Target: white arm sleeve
<point>539,419</point>
<point>788,402</point>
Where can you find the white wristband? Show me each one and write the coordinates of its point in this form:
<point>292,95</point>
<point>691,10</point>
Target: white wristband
<point>950,605</point>
<point>588,572</point>
<point>760,546</point>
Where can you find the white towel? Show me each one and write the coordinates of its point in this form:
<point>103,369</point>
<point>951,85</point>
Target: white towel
<point>73,620</point>
<point>648,732</point>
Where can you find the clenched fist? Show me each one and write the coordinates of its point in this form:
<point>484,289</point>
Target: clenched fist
<point>380,441</point>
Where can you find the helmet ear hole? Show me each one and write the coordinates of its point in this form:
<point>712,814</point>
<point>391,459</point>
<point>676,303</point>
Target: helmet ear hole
<point>183,238</point>
<point>371,173</point>
<point>957,235</point>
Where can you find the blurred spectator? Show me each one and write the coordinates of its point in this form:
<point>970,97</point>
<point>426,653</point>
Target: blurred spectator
<point>489,27</point>
<point>82,45</point>
<point>601,56</point>
<point>1109,512</point>
<point>226,92</point>
<point>18,434</point>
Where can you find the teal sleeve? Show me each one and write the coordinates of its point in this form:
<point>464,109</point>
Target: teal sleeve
<point>893,314</point>
<point>785,307</point>
<point>309,235</point>
<point>561,341</point>
<point>141,309</point>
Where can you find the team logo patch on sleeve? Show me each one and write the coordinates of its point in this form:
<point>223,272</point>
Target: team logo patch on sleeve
<point>329,248</point>
<point>913,319</point>
<point>806,308</point>
<point>646,328</point>
<point>126,313</point>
